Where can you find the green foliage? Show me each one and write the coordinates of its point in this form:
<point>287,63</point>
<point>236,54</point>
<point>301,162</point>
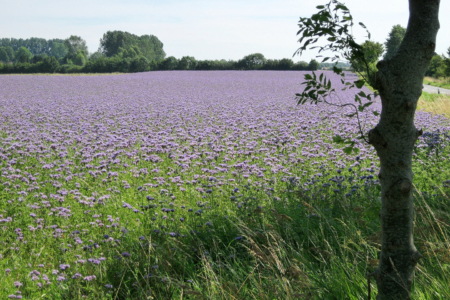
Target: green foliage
<point>437,67</point>
<point>23,55</point>
<point>80,59</point>
<point>334,23</point>
<point>170,63</point>
<point>4,57</point>
<point>38,58</point>
<point>394,40</point>
<point>252,61</point>
<point>187,63</point>
<point>313,65</point>
<point>58,50</point>
<point>96,55</point>
<point>9,50</point>
<point>49,65</point>
<point>74,44</point>
<point>149,46</point>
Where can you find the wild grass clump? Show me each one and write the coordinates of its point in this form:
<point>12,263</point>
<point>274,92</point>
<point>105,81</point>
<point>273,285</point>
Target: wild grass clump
<point>126,190</point>
<point>439,82</point>
<point>435,103</point>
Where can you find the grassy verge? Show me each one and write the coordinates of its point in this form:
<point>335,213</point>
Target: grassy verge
<point>439,82</point>
<point>435,103</point>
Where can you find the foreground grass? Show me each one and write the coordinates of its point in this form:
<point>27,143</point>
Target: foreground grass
<point>233,240</point>
<point>435,103</point>
<point>439,82</point>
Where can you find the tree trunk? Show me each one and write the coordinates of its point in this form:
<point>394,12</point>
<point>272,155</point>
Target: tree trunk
<point>399,82</point>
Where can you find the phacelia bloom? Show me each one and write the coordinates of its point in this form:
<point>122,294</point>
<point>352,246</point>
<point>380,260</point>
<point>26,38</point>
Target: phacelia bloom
<point>17,284</point>
<point>64,266</point>
<point>238,238</point>
<point>76,275</point>
<point>55,272</point>
<point>109,286</point>
<point>7,271</point>
<point>89,278</point>
<point>126,254</point>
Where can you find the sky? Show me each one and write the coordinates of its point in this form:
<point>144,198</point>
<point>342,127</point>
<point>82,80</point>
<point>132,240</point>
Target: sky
<point>205,29</point>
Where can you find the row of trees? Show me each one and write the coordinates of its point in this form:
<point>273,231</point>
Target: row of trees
<point>438,67</point>
<point>118,52</point>
<point>132,59</point>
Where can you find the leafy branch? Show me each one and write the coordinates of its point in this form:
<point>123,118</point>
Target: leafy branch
<point>334,22</point>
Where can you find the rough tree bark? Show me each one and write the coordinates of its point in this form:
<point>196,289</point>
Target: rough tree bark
<point>399,82</point>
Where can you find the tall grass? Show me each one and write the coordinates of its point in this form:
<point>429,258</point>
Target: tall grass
<point>435,103</point>
<point>439,82</point>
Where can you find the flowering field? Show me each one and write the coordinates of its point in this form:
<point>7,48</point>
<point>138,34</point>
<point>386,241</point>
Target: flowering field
<point>191,185</point>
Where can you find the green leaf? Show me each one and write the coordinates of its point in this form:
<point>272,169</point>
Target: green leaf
<point>308,77</point>
<point>321,77</point>
<point>375,113</point>
<point>362,94</point>
<point>351,115</point>
<point>337,70</point>
<point>348,150</point>
<point>359,83</point>
<point>355,150</point>
<point>320,7</point>
<point>338,139</point>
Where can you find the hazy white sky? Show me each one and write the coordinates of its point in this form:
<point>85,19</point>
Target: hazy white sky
<point>205,29</point>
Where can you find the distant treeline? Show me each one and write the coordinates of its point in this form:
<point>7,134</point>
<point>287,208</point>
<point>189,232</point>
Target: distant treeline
<point>124,52</point>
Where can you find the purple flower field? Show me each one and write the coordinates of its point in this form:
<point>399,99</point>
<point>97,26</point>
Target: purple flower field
<point>91,166</point>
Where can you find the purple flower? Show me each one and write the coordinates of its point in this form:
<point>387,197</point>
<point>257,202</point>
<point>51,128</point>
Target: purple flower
<point>76,275</point>
<point>89,278</point>
<point>64,266</point>
<point>126,254</point>
<point>17,284</point>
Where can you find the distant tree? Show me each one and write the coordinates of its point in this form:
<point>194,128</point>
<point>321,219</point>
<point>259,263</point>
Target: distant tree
<point>436,68</point>
<point>38,58</point>
<point>394,40</point>
<point>23,55</point>
<point>367,64</point>
<point>301,65</point>
<point>80,59</point>
<point>96,55</point>
<point>187,63</point>
<point>313,65</point>
<point>252,61</point>
<point>10,52</point>
<point>58,50</point>
<point>49,65</point>
<point>4,57</point>
<point>372,52</point>
<point>285,64</point>
<point>170,63</point>
<point>74,44</point>
<point>149,45</point>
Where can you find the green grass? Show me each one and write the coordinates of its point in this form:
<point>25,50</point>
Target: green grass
<point>303,245</point>
<point>435,103</point>
<point>439,82</point>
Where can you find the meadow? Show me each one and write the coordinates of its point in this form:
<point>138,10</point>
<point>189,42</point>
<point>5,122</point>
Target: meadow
<point>200,185</point>
<point>439,82</point>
